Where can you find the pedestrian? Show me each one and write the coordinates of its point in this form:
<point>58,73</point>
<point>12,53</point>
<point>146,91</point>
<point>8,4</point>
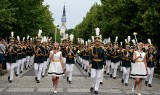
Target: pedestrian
<point>2,51</point>
<point>56,67</point>
<point>139,70</point>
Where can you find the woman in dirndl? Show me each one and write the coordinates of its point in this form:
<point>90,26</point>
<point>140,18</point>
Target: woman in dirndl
<point>56,67</point>
<point>139,70</point>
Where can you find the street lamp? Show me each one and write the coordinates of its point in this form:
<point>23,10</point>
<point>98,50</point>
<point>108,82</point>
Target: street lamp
<point>56,31</point>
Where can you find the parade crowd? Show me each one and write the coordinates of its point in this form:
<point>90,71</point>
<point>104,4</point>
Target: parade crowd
<point>96,57</point>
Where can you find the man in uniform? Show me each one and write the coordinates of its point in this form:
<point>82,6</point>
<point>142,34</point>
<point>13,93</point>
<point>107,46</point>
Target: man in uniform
<point>151,57</point>
<point>97,61</point>
<point>39,59</point>
<point>11,58</point>
<point>70,61</point>
<point>126,63</point>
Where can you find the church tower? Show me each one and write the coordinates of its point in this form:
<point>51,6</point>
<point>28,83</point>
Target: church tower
<point>63,26</point>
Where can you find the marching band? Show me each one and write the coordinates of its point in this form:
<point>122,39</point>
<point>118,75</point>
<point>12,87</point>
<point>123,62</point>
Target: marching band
<point>96,57</point>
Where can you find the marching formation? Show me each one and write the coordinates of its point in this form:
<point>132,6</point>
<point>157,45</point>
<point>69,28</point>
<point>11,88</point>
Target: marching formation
<point>96,57</point>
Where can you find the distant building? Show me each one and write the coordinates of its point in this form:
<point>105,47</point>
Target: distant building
<point>63,26</point>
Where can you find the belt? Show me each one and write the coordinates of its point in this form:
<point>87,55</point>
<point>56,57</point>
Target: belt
<point>97,60</point>
<point>114,56</point>
<point>140,61</point>
<point>55,60</point>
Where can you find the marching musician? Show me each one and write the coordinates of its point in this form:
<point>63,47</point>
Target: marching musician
<point>38,60</point>
<point>97,61</point>
<point>126,64</point>
<point>115,60</point>
<point>11,55</point>
<point>70,60</point>
<point>150,57</point>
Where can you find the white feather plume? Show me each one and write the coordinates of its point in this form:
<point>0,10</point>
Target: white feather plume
<point>133,41</point>
<point>71,37</point>
<point>92,38</point>
<point>129,38</point>
<point>109,40</point>
<point>18,38</point>
<point>121,43</point>
<point>78,39</point>
<point>66,36</point>
<point>23,38</point>
<point>97,31</point>
<point>39,33</point>
<point>116,39</point>
<point>89,40</point>
<point>12,34</point>
<point>31,39</point>
<point>86,43</point>
<point>27,37</point>
<point>149,41</point>
<point>126,41</point>
<point>100,37</point>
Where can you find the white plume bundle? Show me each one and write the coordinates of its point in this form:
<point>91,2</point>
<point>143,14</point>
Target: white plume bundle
<point>121,43</point>
<point>78,39</point>
<point>97,31</point>
<point>12,34</point>
<point>129,38</point>
<point>18,38</point>
<point>27,37</point>
<point>126,41</point>
<point>149,41</point>
<point>23,38</point>
<point>86,43</point>
<point>133,41</point>
<point>89,40</point>
<point>66,36</point>
<point>39,33</point>
<point>100,37</point>
<point>109,40</point>
<point>31,39</point>
<point>92,38</point>
<point>116,39</point>
<point>71,37</point>
<point>50,38</point>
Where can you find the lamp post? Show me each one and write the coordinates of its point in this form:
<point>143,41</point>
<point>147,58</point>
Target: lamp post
<point>56,31</point>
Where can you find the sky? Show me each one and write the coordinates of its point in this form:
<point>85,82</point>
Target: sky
<point>75,10</point>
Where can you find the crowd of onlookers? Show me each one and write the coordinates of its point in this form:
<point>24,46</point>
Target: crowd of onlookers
<point>3,46</point>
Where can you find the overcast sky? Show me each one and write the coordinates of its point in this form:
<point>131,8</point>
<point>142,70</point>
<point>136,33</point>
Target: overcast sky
<point>75,10</point>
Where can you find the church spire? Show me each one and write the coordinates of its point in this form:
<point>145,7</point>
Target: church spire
<point>64,11</point>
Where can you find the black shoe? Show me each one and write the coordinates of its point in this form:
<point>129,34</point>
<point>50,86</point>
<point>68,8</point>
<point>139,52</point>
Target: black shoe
<point>10,81</point>
<point>149,85</point>
<point>8,78</point>
<point>36,78</point>
<point>38,81</point>
<point>101,83</point>
<point>89,74</point>
<point>95,92</point>
<point>16,75</point>
<point>126,84</point>
<point>86,70</point>
<point>107,73</point>
<point>43,76</point>
<point>104,72</point>
<point>20,71</point>
<point>91,89</point>
<point>122,81</point>
<point>110,75</point>
<point>28,66</point>
<point>70,82</point>
<point>146,82</point>
<point>114,78</point>
<point>67,78</point>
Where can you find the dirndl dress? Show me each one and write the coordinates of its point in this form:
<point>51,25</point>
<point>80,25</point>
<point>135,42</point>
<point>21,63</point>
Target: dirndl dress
<point>139,68</point>
<point>55,68</point>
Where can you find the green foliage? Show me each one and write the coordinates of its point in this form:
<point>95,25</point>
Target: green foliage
<point>121,18</point>
<point>25,17</point>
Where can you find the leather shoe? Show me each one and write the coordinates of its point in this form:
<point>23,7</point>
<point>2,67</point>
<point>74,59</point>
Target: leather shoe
<point>70,82</point>
<point>122,81</point>
<point>101,83</point>
<point>95,92</point>
<point>126,84</point>
<point>149,85</point>
<point>91,89</point>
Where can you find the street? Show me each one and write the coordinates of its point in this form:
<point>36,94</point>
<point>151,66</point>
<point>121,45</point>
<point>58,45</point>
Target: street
<point>25,84</point>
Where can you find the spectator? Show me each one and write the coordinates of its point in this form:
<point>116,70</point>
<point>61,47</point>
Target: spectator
<point>2,51</point>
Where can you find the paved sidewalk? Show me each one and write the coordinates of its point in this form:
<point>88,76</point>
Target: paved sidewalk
<point>25,84</point>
